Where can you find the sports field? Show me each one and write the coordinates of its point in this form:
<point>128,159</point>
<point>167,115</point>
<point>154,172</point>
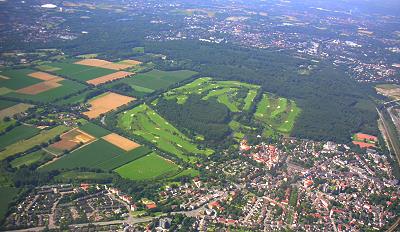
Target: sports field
<point>149,167</point>
<point>156,79</point>
<point>25,144</point>
<point>278,114</point>
<point>146,123</point>
<point>99,154</point>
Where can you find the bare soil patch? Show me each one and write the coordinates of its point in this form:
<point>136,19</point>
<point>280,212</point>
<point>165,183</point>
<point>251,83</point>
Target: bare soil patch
<point>45,76</point>
<point>109,77</point>
<point>107,64</point>
<point>106,103</point>
<point>39,87</point>
<point>121,142</point>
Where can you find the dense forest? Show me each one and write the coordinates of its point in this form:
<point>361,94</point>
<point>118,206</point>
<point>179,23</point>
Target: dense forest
<point>334,106</point>
<point>208,118</point>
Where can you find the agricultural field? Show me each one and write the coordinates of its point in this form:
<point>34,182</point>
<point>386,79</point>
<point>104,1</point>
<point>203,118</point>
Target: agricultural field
<point>389,90</point>
<point>31,158</point>
<point>153,80</point>
<point>25,144</point>
<point>56,92</point>
<point>17,78</point>
<point>124,64</point>
<point>4,124</point>
<point>151,166</point>
<point>70,140</point>
<point>98,154</point>
<point>16,134</point>
<point>94,129</point>
<point>4,104</point>
<point>278,114</point>
<point>144,122</point>
<point>106,103</point>
<point>15,109</point>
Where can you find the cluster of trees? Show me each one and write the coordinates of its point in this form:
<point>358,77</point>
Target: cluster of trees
<point>208,118</point>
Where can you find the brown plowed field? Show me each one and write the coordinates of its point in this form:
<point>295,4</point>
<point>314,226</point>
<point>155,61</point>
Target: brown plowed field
<point>45,76</point>
<point>109,77</point>
<point>106,103</point>
<point>106,64</point>
<point>39,87</point>
<point>121,142</point>
<point>72,139</point>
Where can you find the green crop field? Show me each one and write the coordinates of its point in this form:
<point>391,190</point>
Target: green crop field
<point>7,196</point>
<point>156,79</point>
<point>6,124</point>
<point>94,129</point>
<point>68,87</point>
<point>29,159</point>
<point>79,72</point>
<point>16,134</point>
<point>279,114</point>
<point>151,166</point>
<point>23,145</point>
<point>99,154</point>
<point>146,123</point>
<point>18,78</point>
<point>77,99</point>
<point>5,104</point>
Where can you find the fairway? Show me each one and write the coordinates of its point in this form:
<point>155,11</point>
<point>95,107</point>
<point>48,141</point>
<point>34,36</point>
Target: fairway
<point>148,167</point>
<point>237,96</point>
<point>146,123</point>
<point>278,114</point>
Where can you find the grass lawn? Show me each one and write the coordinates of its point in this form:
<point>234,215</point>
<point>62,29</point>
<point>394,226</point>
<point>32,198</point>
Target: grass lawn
<point>148,167</point>
<point>23,145</point>
<point>16,134</point>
